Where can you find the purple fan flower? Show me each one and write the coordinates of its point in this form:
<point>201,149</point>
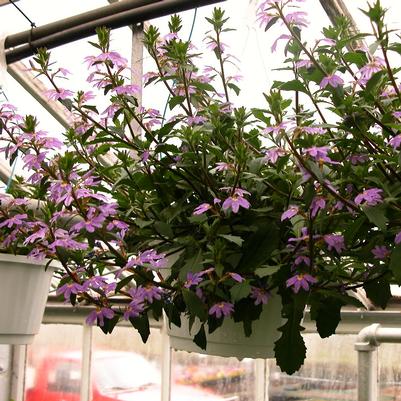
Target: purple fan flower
<point>335,241</point>
<point>133,309</point>
<point>127,90</point>
<point>319,153</point>
<point>318,203</point>
<point>397,239</point>
<point>380,252</point>
<point>235,202</point>
<point>98,316</point>
<point>237,277</point>
<point>369,197</point>
<point>221,309</point>
<point>290,212</point>
<point>202,208</point>
<point>273,154</point>
<point>58,94</point>
<point>275,130</point>
<point>281,37</point>
<point>302,259</point>
<point>17,220</point>
<point>68,289</point>
<point>332,80</point>
<point>301,280</point>
<point>151,292</point>
<point>193,279</point>
<point>91,223</point>
<point>395,142</point>
<point>260,295</point>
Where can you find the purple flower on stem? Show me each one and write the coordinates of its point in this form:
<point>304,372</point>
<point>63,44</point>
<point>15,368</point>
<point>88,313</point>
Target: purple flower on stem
<point>334,241</point>
<point>302,259</point>
<point>16,220</point>
<point>151,292</point>
<point>202,208</point>
<point>290,212</point>
<point>281,37</point>
<point>397,239</point>
<point>237,277</point>
<point>380,252</point>
<point>98,316</point>
<point>318,203</point>
<point>273,154</point>
<point>319,153</point>
<point>221,309</point>
<point>395,142</point>
<point>68,289</point>
<point>54,94</point>
<point>193,279</point>
<point>275,130</point>
<point>91,223</point>
<point>235,202</point>
<point>134,309</point>
<point>301,280</point>
<point>332,80</point>
<point>369,197</point>
<point>127,90</point>
<point>260,295</point>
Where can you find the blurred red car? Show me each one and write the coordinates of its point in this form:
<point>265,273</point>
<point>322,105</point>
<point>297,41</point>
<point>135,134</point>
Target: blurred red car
<point>116,376</point>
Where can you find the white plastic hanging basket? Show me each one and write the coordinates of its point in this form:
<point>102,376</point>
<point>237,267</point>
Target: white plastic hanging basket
<point>229,340</point>
<point>24,287</point>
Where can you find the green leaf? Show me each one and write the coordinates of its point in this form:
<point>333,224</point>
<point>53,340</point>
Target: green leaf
<point>395,263</point>
<point>259,246</point>
<point>326,311</point>
<point>232,238</point>
<point>271,23</point>
<point>376,215</point>
<point>235,88</point>
<point>290,349</point>
<point>193,264</point>
<point>293,85</point>
<point>194,304</point>
<point>240,291</point>
<point>200,337</point>
<point>375,82</point>
<point>172,314</point>
<point>164,229</point>
<point>141,323</point>
<point>352,230</point>
<point>175,100</point>
<point>378,291</point>
<point>267,271</point>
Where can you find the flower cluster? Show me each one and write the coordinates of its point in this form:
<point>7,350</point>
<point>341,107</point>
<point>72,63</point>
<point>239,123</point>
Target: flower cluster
<point>216,210</point>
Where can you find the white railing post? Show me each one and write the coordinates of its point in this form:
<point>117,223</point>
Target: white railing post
<point>86,390</point>
<point>166,364</point>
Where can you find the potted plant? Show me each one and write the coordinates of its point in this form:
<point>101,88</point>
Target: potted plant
<point>222,209</point>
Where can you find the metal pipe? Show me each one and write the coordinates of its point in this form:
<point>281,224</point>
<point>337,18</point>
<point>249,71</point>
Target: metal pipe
<point>71,22</point>
<point>368,340</point>
<point>119,20</point>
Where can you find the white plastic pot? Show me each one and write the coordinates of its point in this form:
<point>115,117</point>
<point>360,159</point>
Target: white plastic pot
<point>229,340</point>
<point>24,287</point>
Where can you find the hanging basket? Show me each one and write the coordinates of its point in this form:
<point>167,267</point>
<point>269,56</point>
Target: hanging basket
<point>24,287</point>
<point>229,340</point>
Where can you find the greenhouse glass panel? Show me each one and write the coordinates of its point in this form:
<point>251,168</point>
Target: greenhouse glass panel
<point>212,378</point>
<point>53,370</point>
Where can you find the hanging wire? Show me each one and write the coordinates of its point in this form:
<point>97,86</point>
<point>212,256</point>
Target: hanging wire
<point>33,25</point>
<point>189,38</point>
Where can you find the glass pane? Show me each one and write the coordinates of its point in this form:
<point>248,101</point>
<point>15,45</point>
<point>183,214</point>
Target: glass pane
<point>329,372</point>
<point>390,372</point>
<point>204,377</point>
<point>54,364</point>
<point>123,368</point>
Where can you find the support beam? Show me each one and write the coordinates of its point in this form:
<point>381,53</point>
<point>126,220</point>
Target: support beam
<point>63,35</point>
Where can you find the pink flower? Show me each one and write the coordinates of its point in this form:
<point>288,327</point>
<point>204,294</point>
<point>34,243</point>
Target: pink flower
<point>335,241</point>
<point>380,252</point>
<point>235,202</point>
<point>369,197</point>
<point>300,281</point>
<point>332,80</point>
<point>275,129</point>
<point>202,208</point>
<point>260,295</point>
<point>54,94</point>
<point>318,203</point>
<point>237,277</point>
<point>16,220</point>
<point>397,239</point>
<point>273,154</point>
<point>289,213</point>
<point>395,142</point>
<point>221,309</point>
<point>281,37</point>
<point>127,90</point>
